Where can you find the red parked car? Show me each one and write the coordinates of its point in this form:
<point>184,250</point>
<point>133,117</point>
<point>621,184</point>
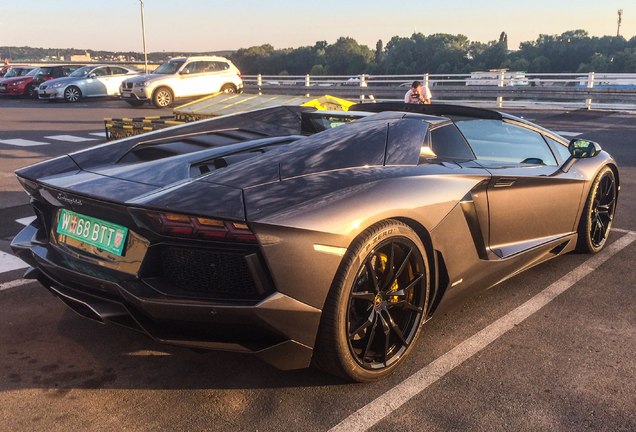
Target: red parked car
<point>16,71</point>
<point>7,67</point>
<point>27,85</point>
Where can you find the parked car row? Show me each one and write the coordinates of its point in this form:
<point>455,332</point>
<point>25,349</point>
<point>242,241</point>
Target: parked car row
<point>27,84</point>
<point>178,78</point>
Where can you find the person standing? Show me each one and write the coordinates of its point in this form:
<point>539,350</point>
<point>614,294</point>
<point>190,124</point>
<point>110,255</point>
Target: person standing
<point>418,94</point>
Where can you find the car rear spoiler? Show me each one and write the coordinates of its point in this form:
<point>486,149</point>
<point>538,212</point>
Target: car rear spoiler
<point>430,109</point>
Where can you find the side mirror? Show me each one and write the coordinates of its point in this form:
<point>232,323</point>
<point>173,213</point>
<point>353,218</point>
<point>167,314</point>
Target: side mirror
<point>92,75</point>
<point>584,149</point>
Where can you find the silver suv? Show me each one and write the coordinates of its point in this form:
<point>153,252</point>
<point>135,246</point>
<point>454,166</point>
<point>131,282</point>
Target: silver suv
<point>182,77</point>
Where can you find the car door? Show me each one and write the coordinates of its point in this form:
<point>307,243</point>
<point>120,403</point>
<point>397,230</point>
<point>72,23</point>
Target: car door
<point>117,76</point>
<point>530,200</point>
<point>218,76</point>
<point>191,79</point>
<point>96,83</point>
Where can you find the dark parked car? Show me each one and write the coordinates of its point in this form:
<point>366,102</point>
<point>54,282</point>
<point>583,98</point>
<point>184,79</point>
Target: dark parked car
<point>27,85</point>
<point>305,236</point>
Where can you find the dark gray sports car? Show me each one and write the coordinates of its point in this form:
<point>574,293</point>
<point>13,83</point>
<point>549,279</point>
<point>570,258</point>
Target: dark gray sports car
<point>305,236</point>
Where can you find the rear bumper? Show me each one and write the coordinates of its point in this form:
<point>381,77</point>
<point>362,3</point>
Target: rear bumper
<point>278,329</point>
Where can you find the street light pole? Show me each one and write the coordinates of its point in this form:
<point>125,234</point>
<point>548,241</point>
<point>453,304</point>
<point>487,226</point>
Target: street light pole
<point>143,33</point>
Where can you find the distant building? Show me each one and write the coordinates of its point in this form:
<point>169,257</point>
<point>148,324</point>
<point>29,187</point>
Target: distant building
<point>81,58</point>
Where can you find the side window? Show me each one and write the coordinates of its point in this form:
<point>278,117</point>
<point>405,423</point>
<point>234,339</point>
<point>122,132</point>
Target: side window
<point>190,68</point>
<point>448,143</point>
<point>208,67</point>
<point>562,151</point>
<point>219,66</point>
<point>197,67</point>
<point>102,71</point>
<point>65,71</point>
<point>114,70</point>
<point>499,143</point>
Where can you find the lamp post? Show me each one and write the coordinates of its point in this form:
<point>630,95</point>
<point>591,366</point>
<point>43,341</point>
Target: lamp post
<point>620,20</point>
<point>143,34</point>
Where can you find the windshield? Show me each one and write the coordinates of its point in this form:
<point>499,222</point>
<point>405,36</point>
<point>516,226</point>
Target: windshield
<point>14,72</point>
<point>82,72</point>
<point>46,71</point>
<point>169,68</point>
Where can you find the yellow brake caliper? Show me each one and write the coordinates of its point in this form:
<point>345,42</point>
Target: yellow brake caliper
<point>384,259</point>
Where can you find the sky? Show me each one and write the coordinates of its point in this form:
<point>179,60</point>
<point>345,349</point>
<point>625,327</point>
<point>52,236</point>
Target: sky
<point>213,25</point>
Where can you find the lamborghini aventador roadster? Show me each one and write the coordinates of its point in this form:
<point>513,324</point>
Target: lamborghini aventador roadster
<point>307,236</point>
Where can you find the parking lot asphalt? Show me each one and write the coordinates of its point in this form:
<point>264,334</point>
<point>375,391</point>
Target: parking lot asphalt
<point>553,348</point>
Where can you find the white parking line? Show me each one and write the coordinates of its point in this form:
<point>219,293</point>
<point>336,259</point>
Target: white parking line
<point>620,230</point>
<point>69,138</point>
<point>9,263</point>
<point>15,283</point>
<point>375,411</point>
<point>98,134</point>
<point>23,142</point>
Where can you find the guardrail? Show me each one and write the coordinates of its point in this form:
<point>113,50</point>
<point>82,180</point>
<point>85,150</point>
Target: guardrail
<point>598,90</point>
<point>137,64</point>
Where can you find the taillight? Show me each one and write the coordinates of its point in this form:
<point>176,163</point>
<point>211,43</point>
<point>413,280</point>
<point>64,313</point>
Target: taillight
<point>196,227</point>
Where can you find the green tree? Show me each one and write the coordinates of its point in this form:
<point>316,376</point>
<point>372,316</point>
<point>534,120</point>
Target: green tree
<point>347,57</point>
<point>379,52</point>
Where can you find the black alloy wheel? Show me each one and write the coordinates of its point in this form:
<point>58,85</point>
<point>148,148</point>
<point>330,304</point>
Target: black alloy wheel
<point>31,91</point>
<point>386,303</point>
<point>598,214</point>
<point>377,304</point>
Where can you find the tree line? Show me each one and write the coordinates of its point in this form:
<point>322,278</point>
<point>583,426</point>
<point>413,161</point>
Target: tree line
<point>440,53</point>
<point>571,51</point>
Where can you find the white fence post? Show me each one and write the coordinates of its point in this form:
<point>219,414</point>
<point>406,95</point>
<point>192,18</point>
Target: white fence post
<point>307,84</point>
<point>590,84</point>
<point>363,83</point>
<point>502,76</point>
<point>426,83</point>
<point>259,83</point>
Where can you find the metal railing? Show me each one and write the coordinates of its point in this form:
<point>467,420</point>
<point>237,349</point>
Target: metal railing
<point>577,90</point>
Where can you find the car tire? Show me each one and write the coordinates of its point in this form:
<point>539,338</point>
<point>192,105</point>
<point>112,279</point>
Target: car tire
<point>367,328</point>
<point>135,103</point>
<point>162,97</point>
<point>31,91</point>
<point>598,213</point>
<point>228,88</point>
<point>72,94</point>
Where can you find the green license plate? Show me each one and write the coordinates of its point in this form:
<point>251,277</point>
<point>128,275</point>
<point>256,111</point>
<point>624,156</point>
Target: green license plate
<point>95,232</point>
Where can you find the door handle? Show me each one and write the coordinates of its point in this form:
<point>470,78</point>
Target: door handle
<point>505,182</point>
